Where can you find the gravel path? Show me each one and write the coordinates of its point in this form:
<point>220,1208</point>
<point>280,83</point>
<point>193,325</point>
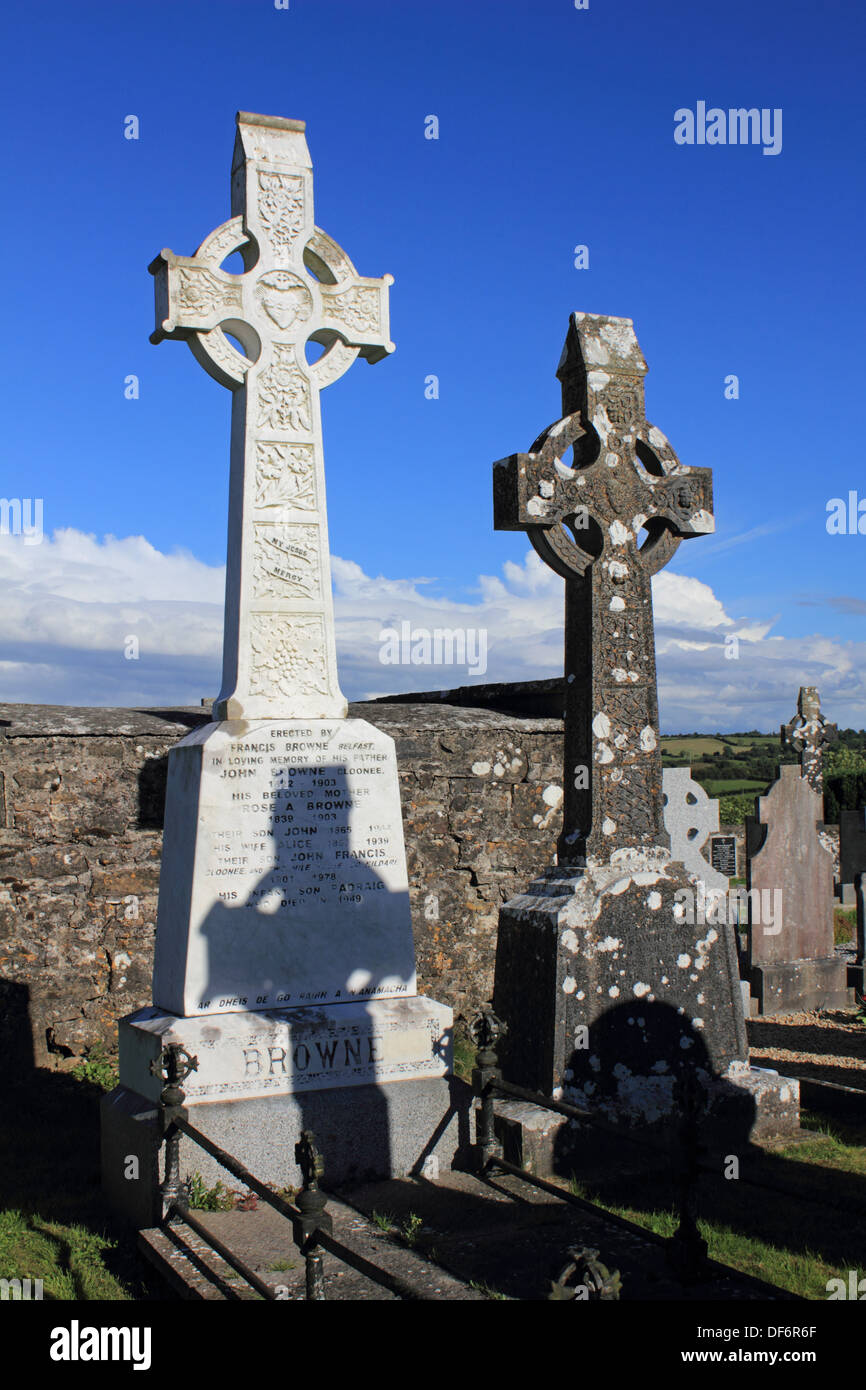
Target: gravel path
<point>825,1045</point>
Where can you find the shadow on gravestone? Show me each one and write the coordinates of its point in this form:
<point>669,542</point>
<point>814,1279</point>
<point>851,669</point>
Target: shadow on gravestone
<point>277,944</point>
<point>286,931</point>
<point>17,1049</point>
<point>637,1058</point>
<point>630,1039</point>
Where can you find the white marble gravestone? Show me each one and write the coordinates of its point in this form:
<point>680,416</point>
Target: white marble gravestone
<point>284,955</point>
<point>691,816</point>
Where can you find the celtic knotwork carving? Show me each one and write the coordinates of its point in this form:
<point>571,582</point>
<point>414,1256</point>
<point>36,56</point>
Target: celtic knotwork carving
<point>624,405</point>
<point>297,286</point>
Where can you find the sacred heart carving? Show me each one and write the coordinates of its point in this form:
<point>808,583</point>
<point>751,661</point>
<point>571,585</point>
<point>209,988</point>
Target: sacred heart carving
<point>284,298</point>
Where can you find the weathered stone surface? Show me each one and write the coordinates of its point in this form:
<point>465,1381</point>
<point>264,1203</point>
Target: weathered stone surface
<point>852,871</point>
<point>586,521</point>
<point>612,987</point>
<point>288,1051</point>
<point>789,874</point>
<point>107,753</point>
<point>809,734</point>
<point>363,1130</point>
<point>786,857</point>
<point>607,992</point>
<point>690,818</point>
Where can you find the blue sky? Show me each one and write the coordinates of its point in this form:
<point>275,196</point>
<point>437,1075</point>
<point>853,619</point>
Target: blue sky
<point>556,129</point>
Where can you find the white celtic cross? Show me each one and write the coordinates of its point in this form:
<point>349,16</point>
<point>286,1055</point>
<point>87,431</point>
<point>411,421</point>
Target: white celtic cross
<point>279,656</point>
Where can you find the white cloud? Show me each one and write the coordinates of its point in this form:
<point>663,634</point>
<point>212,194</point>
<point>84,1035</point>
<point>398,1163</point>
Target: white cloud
<point>70,604</point>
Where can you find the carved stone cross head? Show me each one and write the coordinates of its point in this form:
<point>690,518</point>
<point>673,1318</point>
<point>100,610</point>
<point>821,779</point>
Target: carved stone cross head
<point>809,734</point>
<point>606,523</point>
<point>627,499</point>
<point>298,285</point>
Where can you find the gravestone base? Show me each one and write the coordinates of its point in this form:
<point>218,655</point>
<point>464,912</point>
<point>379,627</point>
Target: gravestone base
<point>856,977</point>
<point>372,1080</point>
<point>607,992</point>
<point>797,986</point>
<point>746,1104</point>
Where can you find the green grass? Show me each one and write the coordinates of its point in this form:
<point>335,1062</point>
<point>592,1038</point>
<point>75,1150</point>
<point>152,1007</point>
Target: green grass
<point>71,1260</point>
<point>797,1245</point>
<point>54,1224</point>
<point>97,1068</point>
<point>216,1198</point>
<point>717,787</point>
<point>844,925</point>
<point>464,1054</point>
<point>691,747</point>
<point>481,1287</point>
<point>411,1229</point>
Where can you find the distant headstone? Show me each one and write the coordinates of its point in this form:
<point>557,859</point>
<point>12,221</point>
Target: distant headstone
<point>852,844</point>
<point>809,734</point>
<point>690,818</point>
<point>610,981</point>
<point>789,874</point>
<point>284,955</point>
<point>723,855</point>
<point>852,871</point>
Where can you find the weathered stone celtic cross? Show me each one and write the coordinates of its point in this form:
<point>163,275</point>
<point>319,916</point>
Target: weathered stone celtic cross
<point>586,521</point>
<point>298,285</point>
<point>608,977</point>
<point>809,735</point>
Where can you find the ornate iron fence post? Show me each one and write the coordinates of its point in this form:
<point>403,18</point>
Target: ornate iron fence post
<point>311,1204</point>
<point>173,1065</point>
<point>688,1249</point>
<point>584,1278</point>
<point>485,1031</point>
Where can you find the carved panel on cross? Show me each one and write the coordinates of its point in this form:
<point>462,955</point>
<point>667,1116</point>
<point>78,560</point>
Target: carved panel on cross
<point>284,394</point>
<point>281,211</point>
<point>285,476</point>
<point>287,655</point>
<point>286,562</point>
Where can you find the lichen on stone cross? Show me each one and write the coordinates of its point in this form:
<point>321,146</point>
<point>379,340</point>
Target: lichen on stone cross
<point>606,524</point>
<point>279,656</point>
<point>809,734</point>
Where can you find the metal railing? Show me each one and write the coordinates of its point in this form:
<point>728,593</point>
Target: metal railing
<point>312,1224</point>
<point>687,1250</point>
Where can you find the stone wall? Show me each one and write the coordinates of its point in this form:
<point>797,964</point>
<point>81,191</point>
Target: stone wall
<point>81,805</point>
